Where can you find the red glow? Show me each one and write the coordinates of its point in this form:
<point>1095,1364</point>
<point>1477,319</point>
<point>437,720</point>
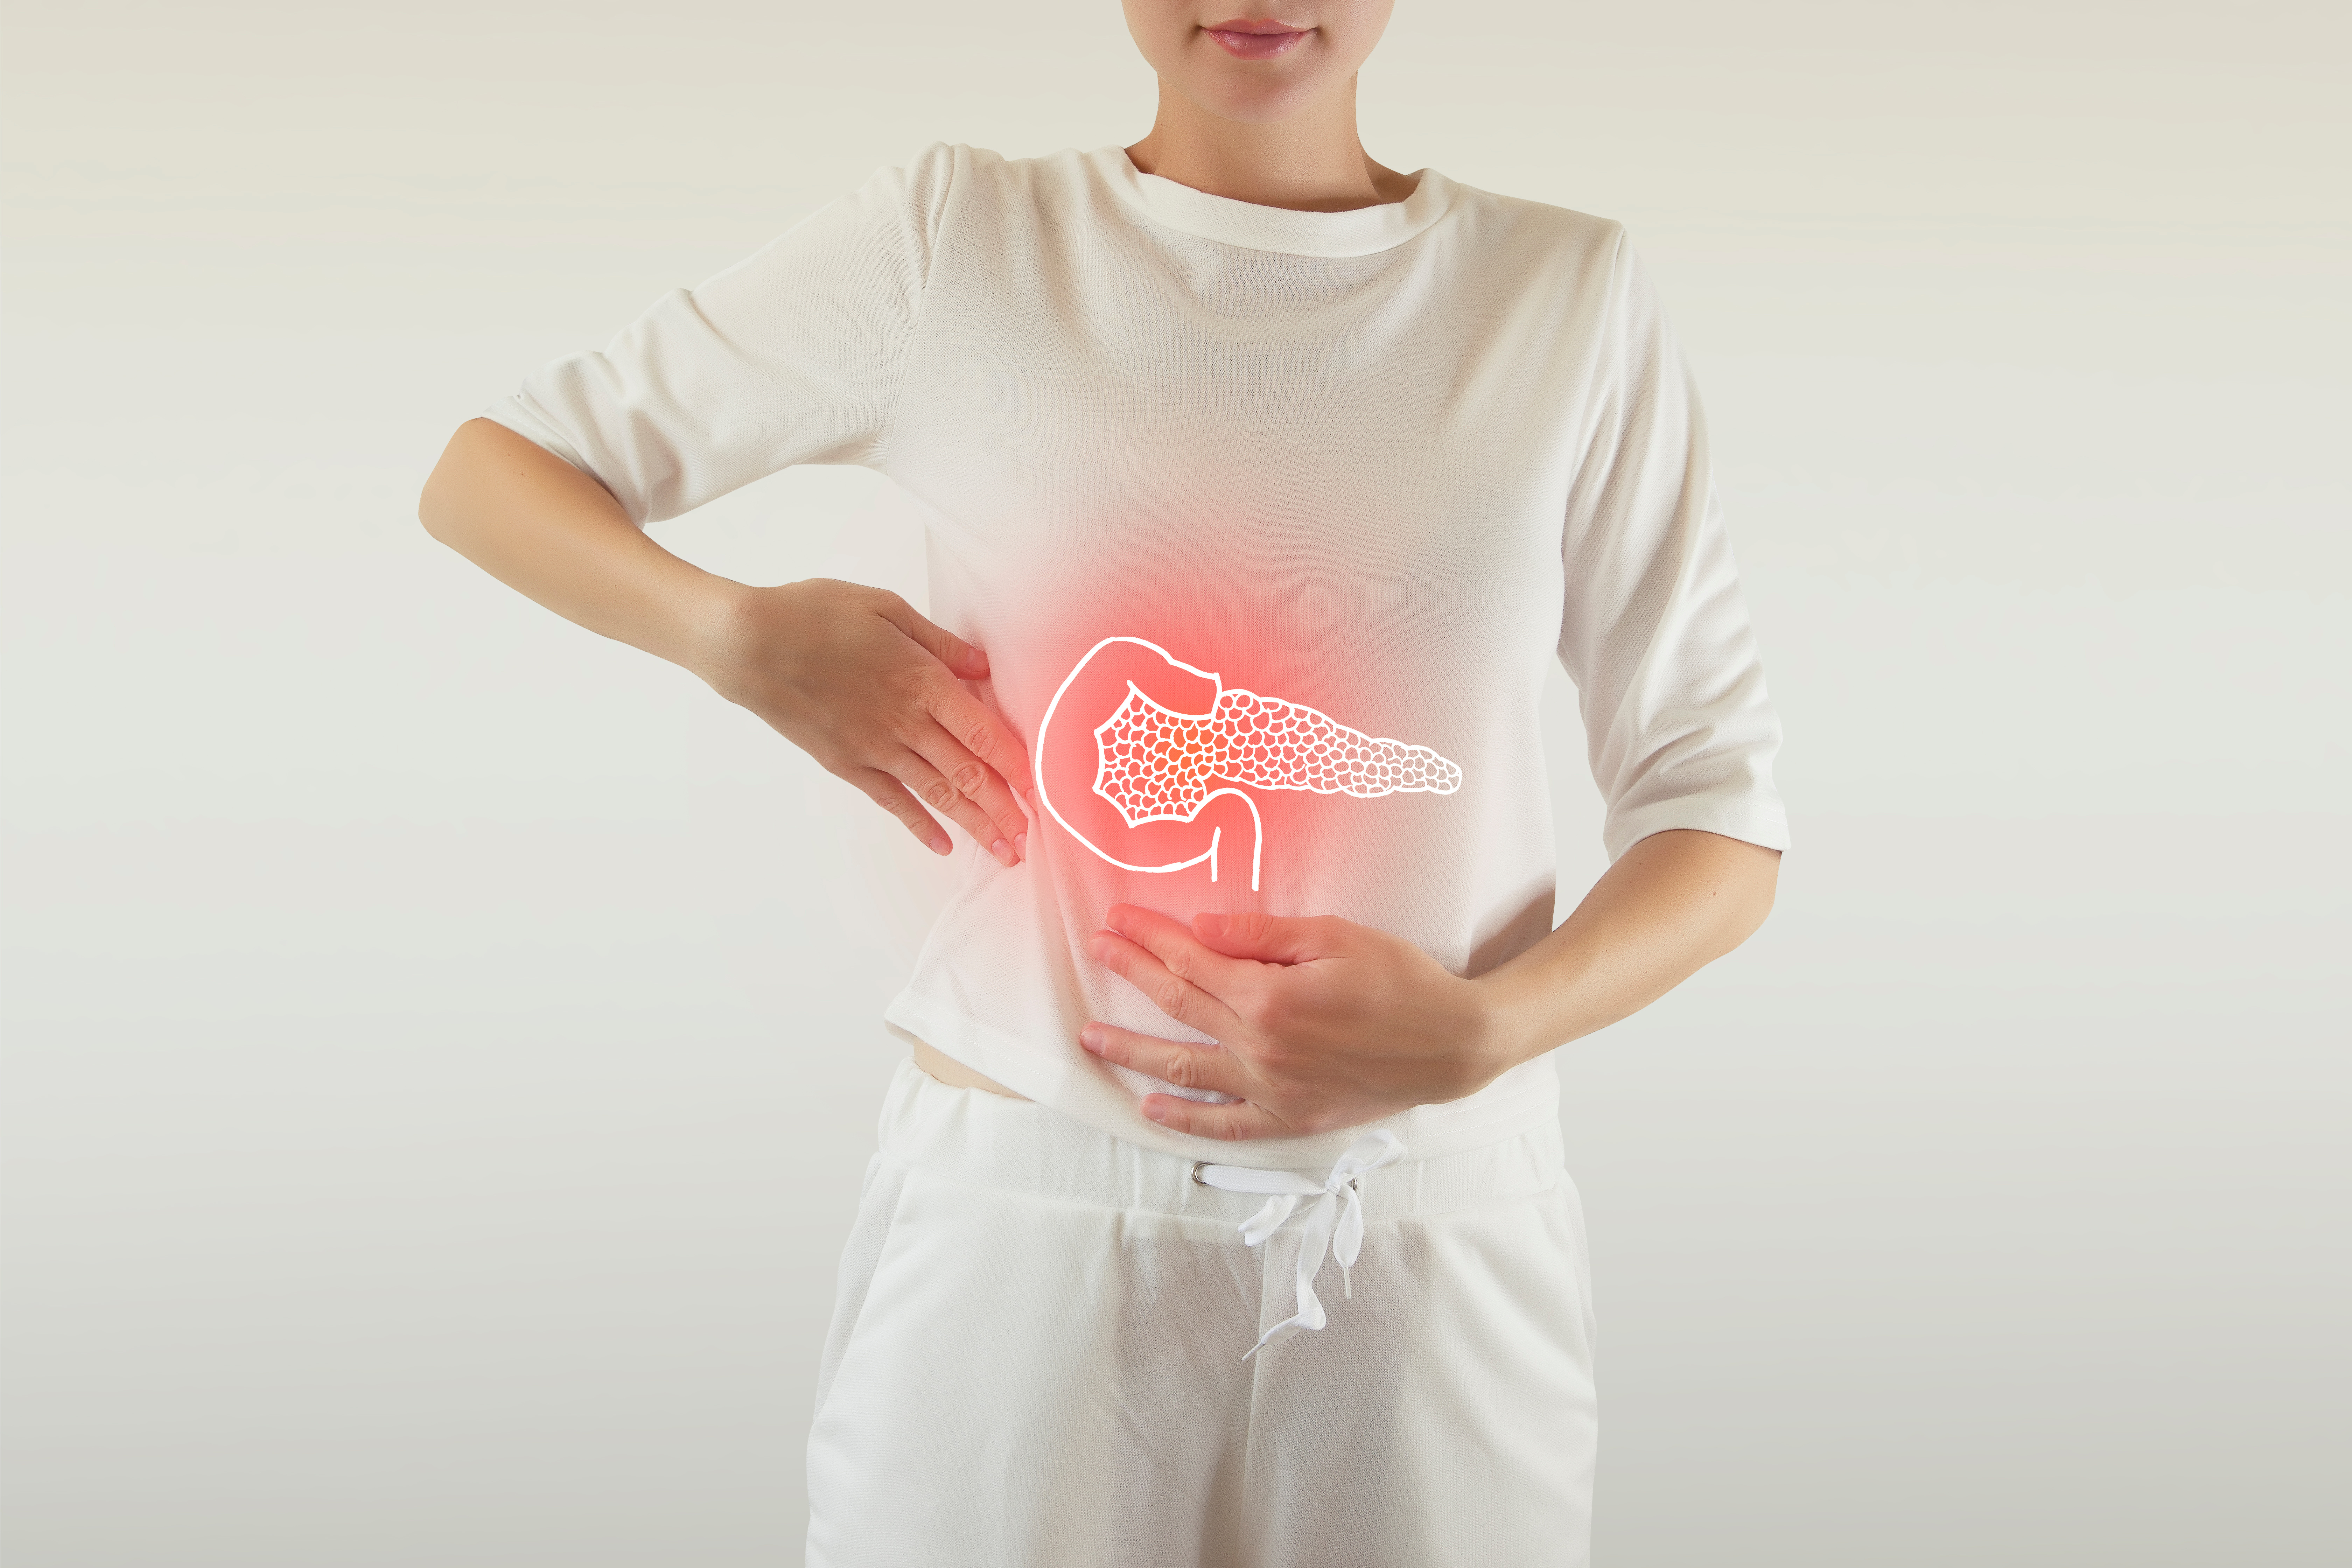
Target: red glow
<point>1177,740</point>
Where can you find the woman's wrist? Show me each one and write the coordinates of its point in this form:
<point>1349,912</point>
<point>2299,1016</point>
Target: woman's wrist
<point>712,628</point>
<point>1520,1012</point>
<point>1500,1042</point>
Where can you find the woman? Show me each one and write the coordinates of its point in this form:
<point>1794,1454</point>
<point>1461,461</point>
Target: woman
<point>1263,480</point>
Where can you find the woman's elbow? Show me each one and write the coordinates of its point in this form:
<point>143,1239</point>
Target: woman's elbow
<point>438,505</point>
<point>1760,884</point>
<point>431,513</point>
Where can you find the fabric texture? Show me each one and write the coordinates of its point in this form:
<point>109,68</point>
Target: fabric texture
<point>1037,1358</point>
<point>1270,523</point>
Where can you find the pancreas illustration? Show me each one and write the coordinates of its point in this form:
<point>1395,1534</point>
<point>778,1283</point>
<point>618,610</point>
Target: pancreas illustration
<point>1165,762</point>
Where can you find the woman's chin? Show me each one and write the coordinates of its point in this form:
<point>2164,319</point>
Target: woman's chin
<point>1254,103</point>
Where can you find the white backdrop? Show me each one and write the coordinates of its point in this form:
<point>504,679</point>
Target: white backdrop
<point>444,1046</point>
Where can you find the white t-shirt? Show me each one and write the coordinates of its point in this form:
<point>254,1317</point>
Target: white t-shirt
<point>1269,523</point>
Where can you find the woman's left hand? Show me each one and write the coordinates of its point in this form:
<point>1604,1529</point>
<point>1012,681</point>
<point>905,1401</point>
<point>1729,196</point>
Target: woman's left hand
<point>1319,1022</point>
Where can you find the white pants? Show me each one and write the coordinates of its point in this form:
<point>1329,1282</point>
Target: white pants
<point>1037,1359</point>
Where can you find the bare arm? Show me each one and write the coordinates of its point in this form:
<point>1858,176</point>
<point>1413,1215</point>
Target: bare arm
<point>1672,904</point>
<point>555,536</point>
<point>1322,1023</point>
<point>851,675</point>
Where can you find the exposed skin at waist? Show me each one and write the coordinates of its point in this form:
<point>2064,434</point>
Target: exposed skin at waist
<point>954,1074</point>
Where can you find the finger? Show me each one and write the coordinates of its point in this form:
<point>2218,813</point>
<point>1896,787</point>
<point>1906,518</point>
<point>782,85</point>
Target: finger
<point>967,661</point>
<point>974,778</point>
<point>1271,938</point>
<point>1231,1122</point>
<point>1179,999</point>
<point>1185,956</point>
<point>891,796</point>
<point>984,734</point>
<point>1170,1061</point>
<point>933,788</point>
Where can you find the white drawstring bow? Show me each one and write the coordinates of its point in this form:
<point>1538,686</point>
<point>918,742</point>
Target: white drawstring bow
<point>1335,1223</point>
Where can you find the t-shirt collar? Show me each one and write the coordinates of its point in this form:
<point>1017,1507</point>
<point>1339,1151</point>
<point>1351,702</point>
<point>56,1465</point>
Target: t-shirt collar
<point>1359,232</point>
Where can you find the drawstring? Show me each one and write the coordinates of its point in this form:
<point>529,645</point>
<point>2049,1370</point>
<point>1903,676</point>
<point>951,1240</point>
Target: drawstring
<point>1335,1223</point>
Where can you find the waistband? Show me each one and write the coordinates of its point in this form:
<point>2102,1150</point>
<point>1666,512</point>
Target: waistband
<point>973,1135</point>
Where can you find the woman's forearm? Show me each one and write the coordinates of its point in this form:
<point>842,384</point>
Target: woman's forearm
<point>853,675</point>
<point>554,534</point>
<point>1672,904</point>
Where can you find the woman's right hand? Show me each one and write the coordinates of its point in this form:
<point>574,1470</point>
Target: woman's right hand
<point>855,678</point>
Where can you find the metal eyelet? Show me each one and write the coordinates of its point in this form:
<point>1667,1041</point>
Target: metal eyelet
<point>1196,1173</point>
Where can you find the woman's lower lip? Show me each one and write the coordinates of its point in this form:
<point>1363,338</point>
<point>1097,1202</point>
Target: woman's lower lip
<point>1257,45</point>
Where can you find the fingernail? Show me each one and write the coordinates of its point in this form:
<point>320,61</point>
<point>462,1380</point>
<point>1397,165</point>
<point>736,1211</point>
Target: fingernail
<point>1154,1112</point>
<point>940,845</point>
<point>1021,845</point>
<point>1091,1037</point>
<point>1002,850</point>
<point>1209,925</point>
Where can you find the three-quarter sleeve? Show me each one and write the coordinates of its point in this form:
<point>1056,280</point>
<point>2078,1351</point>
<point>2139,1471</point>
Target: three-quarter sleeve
<point>795,354</point>
<point>1654,630</point>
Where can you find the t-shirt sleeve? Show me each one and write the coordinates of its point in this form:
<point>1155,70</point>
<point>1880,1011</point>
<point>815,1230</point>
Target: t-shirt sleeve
<point>1654,630</point>
<point>795,354</point>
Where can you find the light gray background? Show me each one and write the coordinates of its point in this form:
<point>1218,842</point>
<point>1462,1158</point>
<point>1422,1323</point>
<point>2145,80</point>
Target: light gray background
<point>444,1045</point>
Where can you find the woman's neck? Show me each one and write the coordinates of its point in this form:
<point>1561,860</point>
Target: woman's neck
<point>1309,162</point>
